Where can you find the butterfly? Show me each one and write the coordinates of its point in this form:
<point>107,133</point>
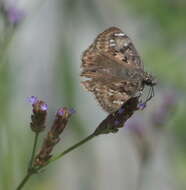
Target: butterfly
<point>114,70</point>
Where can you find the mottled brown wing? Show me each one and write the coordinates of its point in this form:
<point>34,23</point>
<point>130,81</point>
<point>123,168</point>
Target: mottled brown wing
<point>111,65</point>
<point>110,91</point>
<point>114,42</point>
<point>110,94</point>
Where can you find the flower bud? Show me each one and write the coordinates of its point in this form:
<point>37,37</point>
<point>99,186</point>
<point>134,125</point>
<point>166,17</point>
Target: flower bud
<point>39,114</point>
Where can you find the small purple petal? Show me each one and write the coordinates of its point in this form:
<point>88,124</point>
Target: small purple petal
<point>44,107</point>
<point>60,112</point>
<point>15,15</point>
<point>32,99</point>
<point>141,106</point>
<point>72,111</point>
<point>121,110</point>
<point>116,122</point>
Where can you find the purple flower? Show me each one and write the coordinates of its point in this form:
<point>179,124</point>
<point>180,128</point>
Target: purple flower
<point>142,106</point>
<point>14,14</point>
<point>32,99</point>
<point>60,112</point>
<point>44,106</point>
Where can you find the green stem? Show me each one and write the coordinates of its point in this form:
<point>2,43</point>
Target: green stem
<point>30,173</point>
<point>71,148</point>
<point>25,179</point>
<point>30,168</point>
<point>34,150</point>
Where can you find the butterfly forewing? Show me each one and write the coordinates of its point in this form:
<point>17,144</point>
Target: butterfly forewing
<point>117,44</point>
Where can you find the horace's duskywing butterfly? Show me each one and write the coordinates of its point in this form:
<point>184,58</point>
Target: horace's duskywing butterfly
<point>114,69</point>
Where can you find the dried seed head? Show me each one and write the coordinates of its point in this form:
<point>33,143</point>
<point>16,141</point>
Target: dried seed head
<point>60,121</point>
<point>39,114</point>
<point>116,120</point>
<point>53,137</point>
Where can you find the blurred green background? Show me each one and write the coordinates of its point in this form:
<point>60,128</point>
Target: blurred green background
<point>41,43</point>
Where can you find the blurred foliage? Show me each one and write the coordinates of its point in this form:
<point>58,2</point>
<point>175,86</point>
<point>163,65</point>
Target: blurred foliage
<point>167,58</point>
<point>67,88</point>
<point>169,14</point>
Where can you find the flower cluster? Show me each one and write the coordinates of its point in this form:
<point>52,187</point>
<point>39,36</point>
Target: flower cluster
<point>111,124</point>
<point>37,125</point>
<point>12,14</point>
<point>60,122</point>
<point>116,120</point>
<point>39,114</point>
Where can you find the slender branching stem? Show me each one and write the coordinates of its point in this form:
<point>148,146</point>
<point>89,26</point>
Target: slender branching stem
<point>32,170</point>
<point>30,167</point>
<point>71,148</point>
<point>33,150</point>
<point>25,179</point>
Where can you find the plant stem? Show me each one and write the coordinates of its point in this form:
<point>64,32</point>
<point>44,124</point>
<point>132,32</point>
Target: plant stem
<point>30,168</point>
<point>25,179</point>
<point>71,148</point>
<point>30,172</point>
<point>34,150</point>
